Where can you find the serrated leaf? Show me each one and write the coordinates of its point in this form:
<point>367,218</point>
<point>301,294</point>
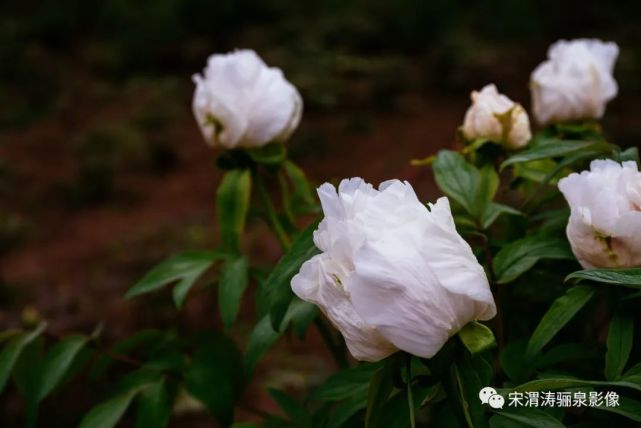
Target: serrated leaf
<point>234,277</point>
<point>232,205</point>
<point>560,313</point>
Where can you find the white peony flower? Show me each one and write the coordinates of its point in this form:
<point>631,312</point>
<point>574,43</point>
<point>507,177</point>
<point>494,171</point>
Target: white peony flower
<point>392,274</point>
<point>575,82</point>
<point>605,221</point>
<point>241,102</point>
<point>496,117</point>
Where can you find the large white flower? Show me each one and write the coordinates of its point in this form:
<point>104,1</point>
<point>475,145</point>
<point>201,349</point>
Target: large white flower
<point>605,221</point>
<point>575,82</point>
<point>496,117</point>
<point>241,102</point>
<point>392,274</point>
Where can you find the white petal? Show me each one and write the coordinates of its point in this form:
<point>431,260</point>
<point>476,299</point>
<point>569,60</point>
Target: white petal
<point>575,82</point>
<point>253,104</point>
<point>319,282</point>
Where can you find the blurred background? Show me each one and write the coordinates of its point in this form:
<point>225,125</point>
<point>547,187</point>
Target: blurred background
<point>103,172</point>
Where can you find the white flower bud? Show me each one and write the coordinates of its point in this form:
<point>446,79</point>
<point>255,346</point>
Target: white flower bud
<point>241,102</point>
<point>575,82</point>
<point>605,221</point>
<point>496,117</point>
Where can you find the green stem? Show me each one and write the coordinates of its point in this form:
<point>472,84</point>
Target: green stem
<point>410,395</point>
<point>272,216</point>
<point>497,290</point>
<point>336,350</point>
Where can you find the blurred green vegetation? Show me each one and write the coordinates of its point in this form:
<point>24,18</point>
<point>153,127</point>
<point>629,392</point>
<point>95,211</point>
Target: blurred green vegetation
<point>42,42</point>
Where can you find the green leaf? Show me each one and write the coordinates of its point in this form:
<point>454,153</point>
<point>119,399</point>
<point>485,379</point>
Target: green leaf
<point>468,386</point>
<point>629,154</point>
<point>270,154</point>
<point>627,407</point>
<point>154,406</point>
<point>295,411</point>
<point>233,282</point>
<point>476,337</point>
<point>278,284</point>
<point>489,184</point>
<point>299,181</point>
<point>562,310</point>
<point>145,339</point>
<point>26,374</point>
<point>524,417</point>
<point>514,362</point>
<point>625,277</point>
<point>380,387</point>
<point>553,148</point>
<point>396,411</point>
<point>619,344</point>
<point>137,380</point>
<point>518,257</point>
<point>108,413</point>
<point>633,374</point>
<point>345,409</point>
<point>12,351</point>
<point>493,210</point>
<point>553,384</point>
<point>568,353</point>
<point>185,268</point>
<point>214,376</point>
<point>536,170</point>
<point>58,362</point>
<point>263,336</point>
<point>460,180</point>
<point>352,382</point>
<point>300,315</point>
<point>232,204</point>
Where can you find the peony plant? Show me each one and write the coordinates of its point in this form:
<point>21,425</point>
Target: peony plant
<point>472,311</point>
